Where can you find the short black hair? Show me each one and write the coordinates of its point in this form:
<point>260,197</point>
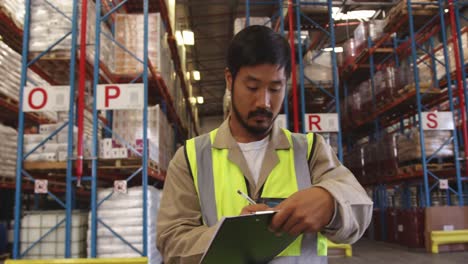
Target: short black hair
<point>255,45</point>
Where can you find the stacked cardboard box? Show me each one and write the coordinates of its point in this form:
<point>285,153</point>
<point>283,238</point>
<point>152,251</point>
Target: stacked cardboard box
<point>129,30</point>
<point>409,146</point>
<point>128,124</point>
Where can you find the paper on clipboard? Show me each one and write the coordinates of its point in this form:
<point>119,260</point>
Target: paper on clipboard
<point>245,239</point>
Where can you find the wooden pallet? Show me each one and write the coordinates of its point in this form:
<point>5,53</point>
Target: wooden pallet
<point>423,87</point>
<point>400,12</point>
<point>7,179</point>
<point>45,165</point>
<point>129,163</point>
<point>412,169</point>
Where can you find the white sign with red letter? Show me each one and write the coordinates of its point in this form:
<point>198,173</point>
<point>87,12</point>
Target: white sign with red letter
<point>281,120</point>
<point>437,120</point>
<point>120,96</point>
<point>321,122</point>
<point>46,98</point>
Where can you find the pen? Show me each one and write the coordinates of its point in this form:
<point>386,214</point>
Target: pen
<point>246,197</point>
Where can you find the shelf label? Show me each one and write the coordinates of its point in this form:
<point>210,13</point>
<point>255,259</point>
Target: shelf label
<point>437,120</point>
<point>46,98</point>
<point>443,184</point>
<point>40,186</point>
<point>120,96</point>
<point>120,186</point>
<point>321,122</point>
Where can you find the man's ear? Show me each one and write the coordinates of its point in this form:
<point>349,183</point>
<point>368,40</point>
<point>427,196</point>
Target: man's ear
<point>228,78</point>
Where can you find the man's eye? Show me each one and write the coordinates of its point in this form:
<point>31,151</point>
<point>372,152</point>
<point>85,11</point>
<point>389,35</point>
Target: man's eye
<point>252,88</point>
<point>275,90</point>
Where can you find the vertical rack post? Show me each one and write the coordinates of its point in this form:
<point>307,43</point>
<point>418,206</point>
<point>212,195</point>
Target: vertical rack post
<point>145,129</point>
<point>19,153</point>
<point>336,84</point>
<point>71,123</point>
<point>94,153</point>
<point>301,69</point>
<point>418,101</point>
<point>451,105</point>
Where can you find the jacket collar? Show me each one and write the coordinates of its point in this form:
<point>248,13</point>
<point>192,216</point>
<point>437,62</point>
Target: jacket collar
<point>225,140</point>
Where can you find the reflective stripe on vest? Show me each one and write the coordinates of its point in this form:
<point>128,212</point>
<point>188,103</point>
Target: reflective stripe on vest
<point>218,195</point>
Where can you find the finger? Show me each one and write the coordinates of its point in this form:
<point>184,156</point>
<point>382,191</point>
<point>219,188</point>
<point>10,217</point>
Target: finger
<point>280,218</point>
<point>249,209</point>
<point>290,223</point>
<point>297,229</point>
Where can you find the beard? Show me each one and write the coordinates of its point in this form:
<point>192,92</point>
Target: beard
<point>254,130</point>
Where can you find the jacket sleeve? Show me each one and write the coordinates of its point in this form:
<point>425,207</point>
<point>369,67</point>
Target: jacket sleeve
<point>181,235</point>
<point>353,207</point>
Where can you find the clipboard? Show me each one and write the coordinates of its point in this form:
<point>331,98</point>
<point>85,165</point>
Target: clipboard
<point>245,239</point>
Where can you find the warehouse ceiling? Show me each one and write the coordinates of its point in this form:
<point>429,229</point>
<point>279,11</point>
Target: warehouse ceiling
<point>212,22</point>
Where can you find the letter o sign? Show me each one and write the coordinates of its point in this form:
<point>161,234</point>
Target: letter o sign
<point>37,98</point>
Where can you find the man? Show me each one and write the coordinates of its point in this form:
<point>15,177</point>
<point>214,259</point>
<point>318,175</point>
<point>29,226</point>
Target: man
<point>249,152</point>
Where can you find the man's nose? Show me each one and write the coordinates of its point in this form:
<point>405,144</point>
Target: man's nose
<point>263,99</point>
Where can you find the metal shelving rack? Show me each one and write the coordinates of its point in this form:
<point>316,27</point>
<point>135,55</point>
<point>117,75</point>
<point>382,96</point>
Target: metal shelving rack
<point>426,180</point>
<point>291,11</point>
<point>99,74</point>
<point>67,205</point>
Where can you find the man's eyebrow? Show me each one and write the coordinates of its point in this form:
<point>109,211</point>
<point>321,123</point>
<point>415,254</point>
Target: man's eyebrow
<point>252,78</point>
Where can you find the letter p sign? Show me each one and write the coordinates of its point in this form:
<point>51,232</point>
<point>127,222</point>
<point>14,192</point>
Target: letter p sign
<point>120,96</point>
<point>112,92</point>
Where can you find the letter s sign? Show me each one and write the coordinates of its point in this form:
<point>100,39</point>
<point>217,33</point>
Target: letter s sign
<point>437,120</point>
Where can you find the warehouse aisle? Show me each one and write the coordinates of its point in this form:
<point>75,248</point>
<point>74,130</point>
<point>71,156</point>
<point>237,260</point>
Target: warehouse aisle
<point>368,251</point>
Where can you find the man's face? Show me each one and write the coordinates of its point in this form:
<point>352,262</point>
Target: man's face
<point>257,96</point>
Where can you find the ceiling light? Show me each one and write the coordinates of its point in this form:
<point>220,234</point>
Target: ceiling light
<point>200,99</point>
<point>179,38</point>
<point>196,75</point>
<point>337,49</point>
<point>189,37</point>
<point>446,10</point>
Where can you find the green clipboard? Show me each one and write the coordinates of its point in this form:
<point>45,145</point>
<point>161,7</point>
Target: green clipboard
<point>245,239</point>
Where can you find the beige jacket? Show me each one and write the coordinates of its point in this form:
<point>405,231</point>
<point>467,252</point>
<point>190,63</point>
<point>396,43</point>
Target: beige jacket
<point>182,237</point>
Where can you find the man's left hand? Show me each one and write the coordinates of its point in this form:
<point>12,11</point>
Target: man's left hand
<point>305,211</point>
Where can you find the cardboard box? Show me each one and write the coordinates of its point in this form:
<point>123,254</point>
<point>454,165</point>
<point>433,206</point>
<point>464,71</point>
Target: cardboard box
<point>438,217</point>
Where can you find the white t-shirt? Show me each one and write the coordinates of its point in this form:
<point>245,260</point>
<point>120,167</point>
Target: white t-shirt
<point>254,152</point>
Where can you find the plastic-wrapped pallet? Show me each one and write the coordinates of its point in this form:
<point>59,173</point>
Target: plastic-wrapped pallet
<point>37,223</point>
<point>318,67</point>
<point>123,213</point>
<point>409,146</point>
<point>48,25</point>
<point>15,10</point>
<point>8,153</point>
<point>239,23</point>
<point>10,69</point>
<point>53,150</point>
<point>129,30</point>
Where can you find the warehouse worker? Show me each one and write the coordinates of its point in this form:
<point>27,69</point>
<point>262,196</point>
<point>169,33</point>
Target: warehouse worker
<point>319,196</point>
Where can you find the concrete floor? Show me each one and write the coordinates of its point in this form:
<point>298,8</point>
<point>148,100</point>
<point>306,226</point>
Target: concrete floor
<point>367,251</point>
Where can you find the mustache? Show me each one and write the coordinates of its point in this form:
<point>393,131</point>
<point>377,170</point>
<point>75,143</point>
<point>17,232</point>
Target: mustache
<point>260,112</point>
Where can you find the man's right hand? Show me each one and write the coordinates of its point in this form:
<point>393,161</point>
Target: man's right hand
<point>250,209</point>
